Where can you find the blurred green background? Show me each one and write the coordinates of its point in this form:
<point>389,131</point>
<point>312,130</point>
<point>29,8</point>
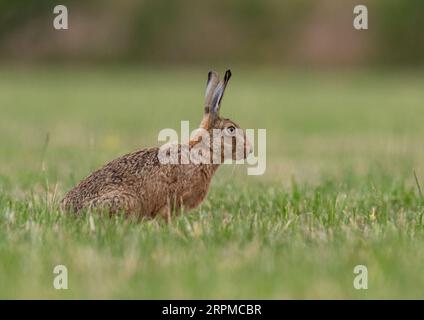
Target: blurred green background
<point>190,32</point>
<point>343,110</point>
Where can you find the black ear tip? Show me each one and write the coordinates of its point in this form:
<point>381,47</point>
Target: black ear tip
<point>227,75</point>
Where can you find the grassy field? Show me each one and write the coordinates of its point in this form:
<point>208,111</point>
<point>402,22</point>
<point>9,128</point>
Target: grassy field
<point>339,189</point>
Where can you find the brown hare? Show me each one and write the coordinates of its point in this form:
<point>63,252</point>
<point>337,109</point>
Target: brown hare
<point>140,184</point>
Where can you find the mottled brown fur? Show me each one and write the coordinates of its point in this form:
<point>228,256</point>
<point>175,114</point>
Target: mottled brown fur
<point>138,184</point>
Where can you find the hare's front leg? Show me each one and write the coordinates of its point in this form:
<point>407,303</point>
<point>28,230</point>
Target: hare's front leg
<point>194,197</point>
<point>116,201</point>
<point>173,207</point>
<point>178,204</point>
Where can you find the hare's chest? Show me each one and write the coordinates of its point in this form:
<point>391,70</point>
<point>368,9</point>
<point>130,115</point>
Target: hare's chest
<point>195,190</point>
<point>194,196</point>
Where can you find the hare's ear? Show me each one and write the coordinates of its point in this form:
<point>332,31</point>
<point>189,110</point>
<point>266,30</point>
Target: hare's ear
<point>219,93</point>
<point>213,80</point>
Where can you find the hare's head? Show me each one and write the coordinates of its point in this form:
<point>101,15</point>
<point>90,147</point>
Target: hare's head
<point>225,134</point>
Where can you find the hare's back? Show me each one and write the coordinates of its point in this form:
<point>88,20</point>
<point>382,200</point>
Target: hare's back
<point>124,173</point>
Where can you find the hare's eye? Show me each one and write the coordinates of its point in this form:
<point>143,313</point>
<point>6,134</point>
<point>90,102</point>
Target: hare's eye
<point>231,130</point>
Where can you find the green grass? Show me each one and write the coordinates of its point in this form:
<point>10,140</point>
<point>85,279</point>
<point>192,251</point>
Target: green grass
<point>339,189</point>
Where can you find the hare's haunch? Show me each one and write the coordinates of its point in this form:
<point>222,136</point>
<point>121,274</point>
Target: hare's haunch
<point>139,183</point>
